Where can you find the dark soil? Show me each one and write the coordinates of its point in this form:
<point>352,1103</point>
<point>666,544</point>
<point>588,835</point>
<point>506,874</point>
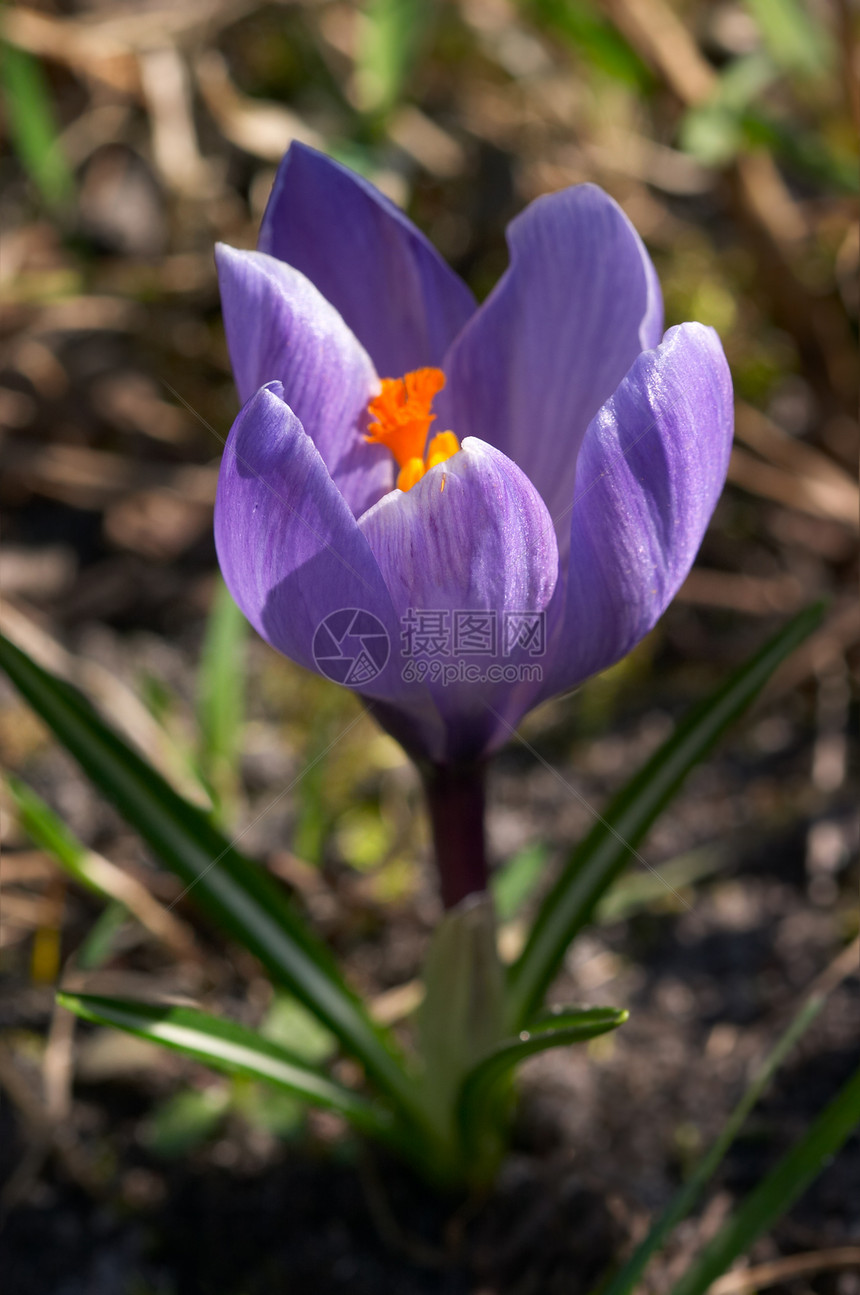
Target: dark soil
<point>115,397</point>
<point>601,1140</point>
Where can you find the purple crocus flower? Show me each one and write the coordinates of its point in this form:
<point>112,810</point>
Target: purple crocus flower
<point>576,456</point>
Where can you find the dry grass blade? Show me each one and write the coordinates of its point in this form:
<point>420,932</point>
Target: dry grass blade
<point>91,478</point>
<point>752,595</point>
<point>45,1135</point>
<point>167,88</point>
<point>761,434</point>
<point>780,1270</point>
<point>834,500</point>
<point>655,29</point>
<point>263,129</point>
<point>126,710</point>
<point>838,635</point>
<point>173,933</point>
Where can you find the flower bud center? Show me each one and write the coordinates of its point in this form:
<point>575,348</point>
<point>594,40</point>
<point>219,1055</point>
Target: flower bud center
<point>403,413</point>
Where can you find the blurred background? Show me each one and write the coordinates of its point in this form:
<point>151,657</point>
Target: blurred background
<point>135,136</point>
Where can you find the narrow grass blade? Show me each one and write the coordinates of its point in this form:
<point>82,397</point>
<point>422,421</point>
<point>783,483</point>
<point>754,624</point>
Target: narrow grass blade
<point>796,36</point>
<point>221,698</point>
<point>599,859</point>
<point>778,1191</point>
<point>47,830</point>
<point>589,30</point>
<point>635,892</point>
<point>713,132</point>
<point>515,881</point>
<point>392,32</point>
<point>100,940</point>
<point>234,890</point>
<point>188,1119</point>
<point>32,125</point>
<point>95,873</point>
<point>234,1048</point>
<point>558,1029</point>
<point>627,1280</point>
<point>462,1015</point>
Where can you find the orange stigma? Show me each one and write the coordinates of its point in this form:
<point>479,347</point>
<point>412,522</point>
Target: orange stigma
<point>402,413</point>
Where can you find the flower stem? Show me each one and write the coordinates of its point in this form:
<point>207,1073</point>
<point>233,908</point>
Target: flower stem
<point>455,798</point>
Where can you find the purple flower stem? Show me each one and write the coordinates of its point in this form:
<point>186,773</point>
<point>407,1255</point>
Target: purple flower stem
<point>456,801</point>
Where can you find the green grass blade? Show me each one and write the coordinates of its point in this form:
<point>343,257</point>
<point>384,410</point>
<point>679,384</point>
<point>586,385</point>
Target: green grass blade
<point>712,131</point>
<point>513,883</point>
<point>234,1048</point>
<point>392,33</point>
<point>32,126</point>
<point>221,698</point>
<point>100,940</point>
<point>796,37</point>
<point>188,1119</point>
<point>635,892</point>
<point>235,891</point>
<point>47,830</point>
<point>626,1281</point>
<point>558,1029</point>
<point>778,1191</point>
<point>462,1016</point>
<point>599,859</point>
<point>113,885</point>
<point>587,28</point>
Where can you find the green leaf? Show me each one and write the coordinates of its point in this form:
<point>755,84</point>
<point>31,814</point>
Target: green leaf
<point>557,1029</point>
<point>515,881</point>
<point>628,1279</point>
<point>221,698</point>
<point>778,1191</point>
<point>805,150</point>
<point>636,891</point>
<point>713,132</point>
<point>47,830</point>
<point>185,1121</point>
<point>797,41</point>
<point>462,1015</point>
<point>99,875</point>
<point>605,852</point>
<point>592,34</point>
<point>99,942</point>
<point>32,125</point>
<point>313,821</point>
<point>392,34</point>
<point>294,1027</point>
<point>272,1109</point>
<point>236,892</point>
<point>233,1048</point>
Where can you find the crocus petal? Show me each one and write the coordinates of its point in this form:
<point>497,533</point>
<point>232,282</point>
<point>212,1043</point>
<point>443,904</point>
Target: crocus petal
<point>281,328</point>
<point>390,285</point>
<point>651,468</point>
<point>472,536</point>
<point>292,556</point>
<point>577,304</point>
<point>289,547</point>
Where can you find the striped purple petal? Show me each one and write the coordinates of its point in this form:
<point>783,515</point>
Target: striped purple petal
<point>473,536</point>
<point>396,294</point>
<point>651,469</point>
<point>280,328</point>
<point>578,303</point>
<point>298,566</point>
